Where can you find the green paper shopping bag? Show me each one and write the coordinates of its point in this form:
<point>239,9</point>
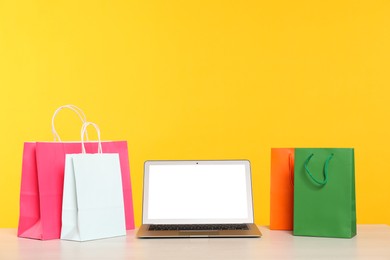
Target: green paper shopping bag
<point>324,192</point>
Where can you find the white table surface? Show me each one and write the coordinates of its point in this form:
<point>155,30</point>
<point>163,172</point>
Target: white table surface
<point>372,242</point>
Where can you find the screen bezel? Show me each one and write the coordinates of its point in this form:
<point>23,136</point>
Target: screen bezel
<point>248,178</point>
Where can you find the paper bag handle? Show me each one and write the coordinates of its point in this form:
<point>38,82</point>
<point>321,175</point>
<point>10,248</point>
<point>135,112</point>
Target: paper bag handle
<point>291,168</point>
<point>325,170</point>
<point>75,109</point>
<point>83,131</point>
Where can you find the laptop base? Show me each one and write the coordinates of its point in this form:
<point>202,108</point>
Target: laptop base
<point>252,231</point>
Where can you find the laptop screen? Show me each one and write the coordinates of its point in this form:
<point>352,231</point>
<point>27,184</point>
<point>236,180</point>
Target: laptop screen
<point>192,192</point>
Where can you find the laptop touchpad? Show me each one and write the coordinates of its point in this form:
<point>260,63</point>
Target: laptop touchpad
<point>198,233</point>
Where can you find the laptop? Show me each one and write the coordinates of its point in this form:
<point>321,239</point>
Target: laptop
<point>197,199</point>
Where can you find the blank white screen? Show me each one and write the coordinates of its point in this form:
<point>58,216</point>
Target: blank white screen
<point>197,192</point>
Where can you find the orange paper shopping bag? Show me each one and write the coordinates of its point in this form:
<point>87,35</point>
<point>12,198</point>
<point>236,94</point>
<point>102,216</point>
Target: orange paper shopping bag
<point>282,188</point>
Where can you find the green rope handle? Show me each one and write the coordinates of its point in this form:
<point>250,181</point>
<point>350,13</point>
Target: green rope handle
<point>325,170</point>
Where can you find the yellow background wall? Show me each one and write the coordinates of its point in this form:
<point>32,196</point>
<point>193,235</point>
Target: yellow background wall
<point>201,80</point>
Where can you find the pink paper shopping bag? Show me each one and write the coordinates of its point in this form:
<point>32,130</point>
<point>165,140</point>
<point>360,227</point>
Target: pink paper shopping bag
<point>42,183</point>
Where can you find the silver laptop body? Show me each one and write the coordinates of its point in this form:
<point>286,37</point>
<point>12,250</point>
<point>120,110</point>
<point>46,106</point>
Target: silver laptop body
<point>197,199</point>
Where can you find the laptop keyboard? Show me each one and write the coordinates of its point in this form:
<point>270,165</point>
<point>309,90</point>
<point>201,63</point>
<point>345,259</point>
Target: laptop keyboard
<point>205,227</point>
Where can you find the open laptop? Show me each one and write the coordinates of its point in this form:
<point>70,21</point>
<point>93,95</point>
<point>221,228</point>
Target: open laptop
<point>197,199</point>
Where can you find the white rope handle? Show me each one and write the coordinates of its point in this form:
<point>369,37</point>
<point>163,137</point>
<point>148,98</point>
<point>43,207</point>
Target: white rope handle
<point>75,109</point>
<point>84,129</point>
